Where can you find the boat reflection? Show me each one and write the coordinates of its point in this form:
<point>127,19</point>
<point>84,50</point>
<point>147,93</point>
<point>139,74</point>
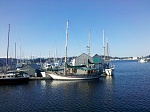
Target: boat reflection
<point>57,83</point>
<point>43,84</point>
<point>108,90</point>
<point>109,79</point>
<point>81,85</point>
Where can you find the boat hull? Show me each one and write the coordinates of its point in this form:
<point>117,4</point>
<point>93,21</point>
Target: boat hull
<point>15,80</point>
<point>142,61</point>
<point>109,71</point>
<point>74,77</point>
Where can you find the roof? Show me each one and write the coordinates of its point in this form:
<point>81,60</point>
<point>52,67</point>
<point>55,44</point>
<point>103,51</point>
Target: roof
<point>35,66</point>
<point>96,55</point>
<point>83,54</point>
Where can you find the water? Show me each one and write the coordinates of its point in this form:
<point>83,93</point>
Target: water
<point>127,91</point>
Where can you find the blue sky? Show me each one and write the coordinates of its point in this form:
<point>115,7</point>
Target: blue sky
<point>38,26</point>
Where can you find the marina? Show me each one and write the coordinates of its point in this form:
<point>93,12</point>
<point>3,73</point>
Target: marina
<point>128,90</point>
<point>74,56</point>
<point>81,67</point>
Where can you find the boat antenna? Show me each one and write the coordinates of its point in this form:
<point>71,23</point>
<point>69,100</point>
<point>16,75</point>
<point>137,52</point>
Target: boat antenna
<point>7,49</point>
<point>66,48</point>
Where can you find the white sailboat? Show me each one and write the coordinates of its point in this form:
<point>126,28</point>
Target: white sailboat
<point>108,66</point>
<point>70,72</point>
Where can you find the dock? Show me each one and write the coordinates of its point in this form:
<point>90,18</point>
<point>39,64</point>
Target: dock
<point>40,78</point>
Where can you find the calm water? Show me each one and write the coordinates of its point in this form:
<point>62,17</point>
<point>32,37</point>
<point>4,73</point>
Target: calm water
<point>127,91</point>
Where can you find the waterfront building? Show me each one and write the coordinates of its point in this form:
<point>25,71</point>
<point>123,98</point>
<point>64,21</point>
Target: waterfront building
<point>33,70</point>
<point>96,60</point>
<point>82,60</point>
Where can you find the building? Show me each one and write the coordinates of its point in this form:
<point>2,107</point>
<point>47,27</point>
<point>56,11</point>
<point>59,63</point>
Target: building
<point>82,60</point>
<point>98,61</point>
<point>32,69</point>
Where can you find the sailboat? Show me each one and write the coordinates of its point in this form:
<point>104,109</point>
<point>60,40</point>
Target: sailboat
<point>12,77</point>
<point>108,68</point>
<point>71,72</point>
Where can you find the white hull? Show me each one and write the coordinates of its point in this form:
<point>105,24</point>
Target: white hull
<point>74,77</point>
<point>109,71</point>
<point>142,61</point>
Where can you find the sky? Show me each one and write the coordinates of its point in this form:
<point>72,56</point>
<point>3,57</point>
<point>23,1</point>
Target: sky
<point>38,27</point>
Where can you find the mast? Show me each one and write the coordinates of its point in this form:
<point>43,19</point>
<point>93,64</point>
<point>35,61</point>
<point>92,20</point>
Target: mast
<point>54,58</point>
<point>106,51</point>
<point>15,52</point>
<point>49,56</point>
<point>31,56</point>
<point>20,51</point>
<point>40,60</point>
<point>56,55</point>
<point>7,49</point>
<point>66,48</point>
<point>88,47</point>
<point>104,46</point>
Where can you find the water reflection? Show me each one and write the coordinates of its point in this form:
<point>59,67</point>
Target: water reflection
<point>109,80</point>
<point>79,84</point>
<point>109,92</point>
<point>83,87</point>
<point>109,84</point>
<point>57,83</point>
<point>77,94</point>
<point>43,84</point>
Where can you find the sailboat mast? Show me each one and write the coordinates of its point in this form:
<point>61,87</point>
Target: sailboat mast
<point>104,46</point>
<point>15,53</point>
<point>49,56</point>
<point>66,48</point>
<point>40,60</point>
<point>56,55</point>
<point>88,47</point>
<point>7,49</point>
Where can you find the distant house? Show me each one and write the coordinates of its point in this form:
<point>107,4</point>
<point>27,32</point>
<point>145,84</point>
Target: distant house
<point>11,65</point>
<point>32,69</point>
<point>82,60</point>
